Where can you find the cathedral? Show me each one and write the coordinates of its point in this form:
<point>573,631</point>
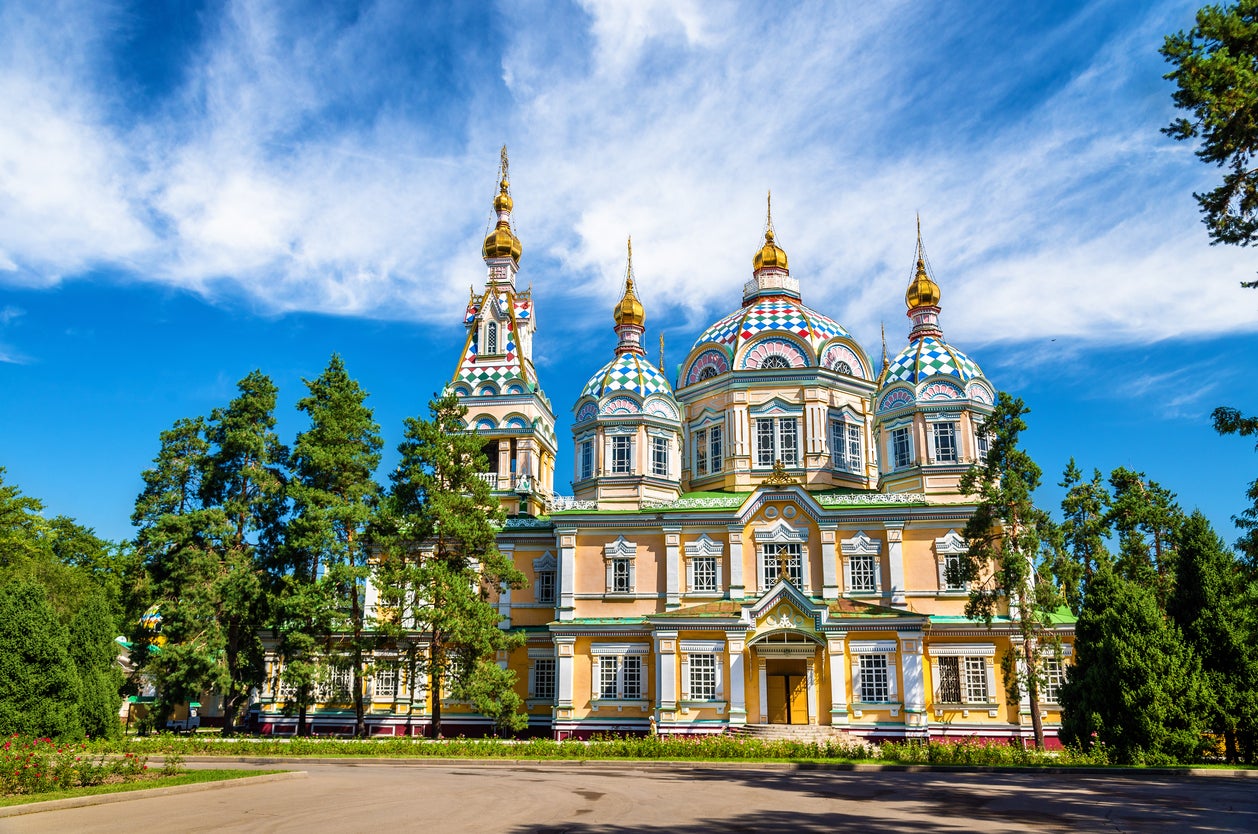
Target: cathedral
<point>762,539</point>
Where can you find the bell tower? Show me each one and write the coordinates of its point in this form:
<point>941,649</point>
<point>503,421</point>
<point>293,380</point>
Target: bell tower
<point>496,379</point>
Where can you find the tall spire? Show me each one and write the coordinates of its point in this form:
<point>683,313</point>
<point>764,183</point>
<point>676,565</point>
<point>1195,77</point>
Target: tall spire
<point>629,312</point>
<point>501,241</point>
<point>922,296</point>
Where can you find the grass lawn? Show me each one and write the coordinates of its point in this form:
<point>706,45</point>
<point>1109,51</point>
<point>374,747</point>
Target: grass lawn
<point>190,777</point>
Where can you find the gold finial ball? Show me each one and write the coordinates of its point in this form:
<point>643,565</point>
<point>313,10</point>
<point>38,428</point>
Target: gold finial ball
<point>503,201</point>
<point>922,292</point>
<point>770,255</point>
<point>629,309</point>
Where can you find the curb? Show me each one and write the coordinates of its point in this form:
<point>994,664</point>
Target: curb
<point>126,796</point>
<point>731,764</point>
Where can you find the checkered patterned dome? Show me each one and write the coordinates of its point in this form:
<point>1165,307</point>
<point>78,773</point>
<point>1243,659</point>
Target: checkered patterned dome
<point>774,314</point>
<point>929,357</point>
<point>627,372</point>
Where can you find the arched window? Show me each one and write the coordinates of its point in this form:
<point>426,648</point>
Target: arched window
<point>708,372</point>
<point>491,338</point>
<point>774,361</point>
<point>843,368</point>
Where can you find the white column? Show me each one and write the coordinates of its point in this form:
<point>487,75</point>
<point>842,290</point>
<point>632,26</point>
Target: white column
<point>504,592</point>
<point>737,588</point>
<point>567,573</point>
<point>672,568</point>
<point>914,677</point>
<point>838,680</point>
<point>565,651</point>
<point>665,671</point>
<point>811,673</point>
<point>829,563</point>
<point>737,684</point>
<point>895,561</point>
<point>764,693</point>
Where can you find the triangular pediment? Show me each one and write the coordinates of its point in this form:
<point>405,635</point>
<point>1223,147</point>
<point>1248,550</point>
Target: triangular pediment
<point>784,604</point>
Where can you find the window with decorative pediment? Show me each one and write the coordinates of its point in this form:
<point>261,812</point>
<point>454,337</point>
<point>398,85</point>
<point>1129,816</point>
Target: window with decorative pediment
<point>544,569</point>
<point>703,565</point>
<point>620,557</point>
<point>780,554</point>
<point>618,673</point>
<point>702,670</point>
<point>949,549</point>
<point>963,674</point>
<point>862,569</point>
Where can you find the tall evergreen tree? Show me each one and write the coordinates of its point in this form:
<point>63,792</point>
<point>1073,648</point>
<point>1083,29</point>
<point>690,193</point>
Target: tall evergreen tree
<point>1217,609</point>
<point>441,566</point>
<point>1134,685</point>
<point>40,689</point>
<point>1083,531</point>
<point>21,525</point>
<point>93,652</point>
<point>1146,518</point>
<point>1230,421</point>
<point>1006,536</point>
<point>334,493</point>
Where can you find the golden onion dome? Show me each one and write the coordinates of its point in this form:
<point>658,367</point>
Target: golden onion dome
<point>502,243</point>
<point>770,255</point>
<point>629,309</point>
<point>922,291</point>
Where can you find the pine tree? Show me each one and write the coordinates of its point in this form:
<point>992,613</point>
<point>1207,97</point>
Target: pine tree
<point>1083,531</point>
<point>1006,535</point>
<point>93,652</point>
<point>1134,685</point>
<point>1230,421</point>
<point>440,564</point>
<point>21,525</point>
<point>1217,609</point>
<point>40,689</point>
<point>1145,517</point>
<point>334,493</point>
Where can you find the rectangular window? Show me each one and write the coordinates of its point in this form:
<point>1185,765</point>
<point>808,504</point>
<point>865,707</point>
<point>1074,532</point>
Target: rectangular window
<point>702,677</point>
<point>952,573</point>
<point>780,558</point>
<point>622,455</point>
<point>659,456</point>
<point>701,451</point>
<point>1054,677</point>
<point>901,448</point>
<point>587,459</point>
<point>976,680</point>
<point>864,573</point>
<point>945,442</point>
<point>714,449</point>
<point>777,438</point>
<point>949,680</point>
<point>982,443</point>
<point>544,586</point>
<point>855,456</point>
<point>544,678</point>
<point>620,677</point>
<point>845,446</point>
<point>874,687</point>
<point>703,574</point>
<point>386,682</point>
<point>622,577</point>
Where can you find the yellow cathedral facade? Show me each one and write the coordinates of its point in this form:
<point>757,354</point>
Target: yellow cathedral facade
<point>762,540</point>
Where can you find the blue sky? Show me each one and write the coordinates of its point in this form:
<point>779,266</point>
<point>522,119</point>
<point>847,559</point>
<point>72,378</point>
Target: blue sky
<point>191,191</point>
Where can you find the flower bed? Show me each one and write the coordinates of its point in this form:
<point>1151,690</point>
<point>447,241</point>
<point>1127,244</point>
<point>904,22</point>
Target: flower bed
<point>39,765</point>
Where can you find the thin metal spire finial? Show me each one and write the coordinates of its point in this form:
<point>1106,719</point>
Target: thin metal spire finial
<point>661,350</point>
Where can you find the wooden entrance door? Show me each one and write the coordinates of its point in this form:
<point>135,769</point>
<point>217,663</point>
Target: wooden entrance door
<point>787,692</point>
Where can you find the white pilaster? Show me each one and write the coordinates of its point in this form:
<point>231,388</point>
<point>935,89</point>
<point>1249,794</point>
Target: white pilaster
<point>665,671</point>
<point>735,646</point>
<point>764,692</point>
<point>567,573</point>
<point>811,677</point>
<point>913,675</point>
<point>565,652</point>
<point>737,586</point>
<point>895,561</point>
<point>838,680</point>
<point>672,568</point>
<point>829,563</point>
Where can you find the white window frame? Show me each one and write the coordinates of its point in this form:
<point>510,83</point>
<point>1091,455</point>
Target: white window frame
<point>894,436</point>
<point>772,553</point>
<point>708,450</point>
<point>623,666</point>
<point>780,532</point>
<point>873,678</point>
<point>1053,673</point>
<point>976,674</point>
<point>777,431</point>
<point>982,445</point>
<point>543,675</point>
<point>711,659</point>
<point>868,552</point>
<point>620,557</point>
<point>708,551</point>
<point>660,454</point>
<point>585,459</point>
<point>491,338</point>
<point>945,436</point>
<point>384,680</point>
<point>621,454</point>
<point>847,448</point>
<point>949,549</point>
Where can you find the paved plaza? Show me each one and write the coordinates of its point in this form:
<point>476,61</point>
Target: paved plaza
<point>381,796</point>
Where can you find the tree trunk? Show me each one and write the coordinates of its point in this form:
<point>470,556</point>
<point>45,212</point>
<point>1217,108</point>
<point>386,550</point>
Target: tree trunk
<point>229,715</point>
<point>360,722</point>
<point>1033,691</point>
<point>303,708</point>
<point>434,687</point>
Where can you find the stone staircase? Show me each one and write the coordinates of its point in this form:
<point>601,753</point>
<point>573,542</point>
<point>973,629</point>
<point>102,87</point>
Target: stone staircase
<point>803,733</point>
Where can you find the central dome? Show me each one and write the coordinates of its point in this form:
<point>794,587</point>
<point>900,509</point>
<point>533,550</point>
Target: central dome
<point>780,314</point>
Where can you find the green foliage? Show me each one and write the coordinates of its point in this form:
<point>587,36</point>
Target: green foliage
<point>1230,421</point>
<point>33,765</point>
<point>1083,531</point>
<point>1004,565</point>
<point>1217,608</point>
<point>1216,76</point>
<point>975,752</point>
<point>1146,518</point>
<point>1135,685</point>
<point>439,565</point>
<point>324,563</point>
<point>40,688</point>
<point>491,689</point>
<point>93,652</point>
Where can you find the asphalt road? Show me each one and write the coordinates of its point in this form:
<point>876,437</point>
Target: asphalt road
<point>388,797</point>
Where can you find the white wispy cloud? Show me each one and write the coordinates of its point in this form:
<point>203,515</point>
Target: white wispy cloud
<point>284,169</point>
